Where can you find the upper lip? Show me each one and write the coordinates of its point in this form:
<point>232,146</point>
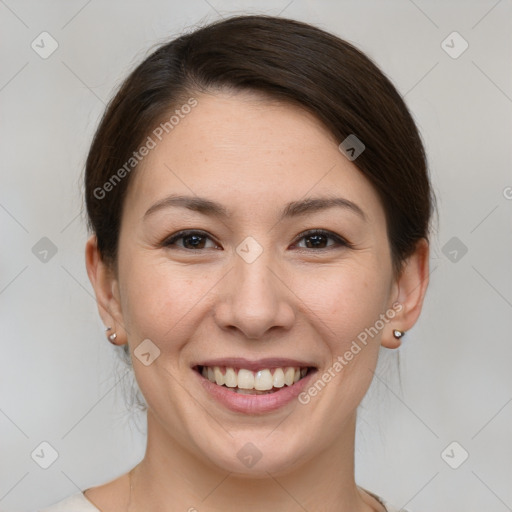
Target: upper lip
<point>255,364</point>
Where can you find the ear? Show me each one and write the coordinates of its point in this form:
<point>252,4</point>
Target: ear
<point>106,289</point>
<point>409,291</point>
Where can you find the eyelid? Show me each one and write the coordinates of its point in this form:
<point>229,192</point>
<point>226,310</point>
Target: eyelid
<point>330,234</point>
<point>340,241</point>
<point>170,240</point>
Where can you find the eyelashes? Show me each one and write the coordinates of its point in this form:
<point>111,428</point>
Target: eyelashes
<point>187,234</point>
<point>196,240</point>
<point>317,234</point>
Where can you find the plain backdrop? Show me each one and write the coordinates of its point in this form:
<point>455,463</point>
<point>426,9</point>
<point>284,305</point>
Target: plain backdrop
<point>61,382</point>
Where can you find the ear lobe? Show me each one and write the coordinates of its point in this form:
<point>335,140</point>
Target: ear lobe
<point>106,289</point>
<point>410,287</point>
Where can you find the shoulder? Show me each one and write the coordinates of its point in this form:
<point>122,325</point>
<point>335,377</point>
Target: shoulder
<point>388,506</point>
<point>391,508</point>
<point>75,503</point>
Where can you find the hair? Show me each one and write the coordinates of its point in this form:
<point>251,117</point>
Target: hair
<point>284,60</point>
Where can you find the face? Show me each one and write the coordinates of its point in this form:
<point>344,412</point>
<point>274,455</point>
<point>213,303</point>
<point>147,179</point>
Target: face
<point>248,271</point>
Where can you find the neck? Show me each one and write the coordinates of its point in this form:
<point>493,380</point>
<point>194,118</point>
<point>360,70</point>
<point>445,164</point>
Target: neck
<point>170,476</point>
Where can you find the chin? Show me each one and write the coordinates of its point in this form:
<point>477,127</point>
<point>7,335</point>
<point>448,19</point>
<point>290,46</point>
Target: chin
<point>255,456</point>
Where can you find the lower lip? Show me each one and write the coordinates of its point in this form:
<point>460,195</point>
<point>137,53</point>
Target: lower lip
<point>254,404</point>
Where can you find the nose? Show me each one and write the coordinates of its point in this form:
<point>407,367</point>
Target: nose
<point>254,299</point>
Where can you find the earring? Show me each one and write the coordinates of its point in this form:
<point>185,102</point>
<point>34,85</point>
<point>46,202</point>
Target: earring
<point>398,334</point>
<point>111,337</point>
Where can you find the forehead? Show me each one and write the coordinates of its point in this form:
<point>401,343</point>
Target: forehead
<point>242,147</point>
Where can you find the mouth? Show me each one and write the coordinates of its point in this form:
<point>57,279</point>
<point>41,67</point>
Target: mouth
<point>254,381</point>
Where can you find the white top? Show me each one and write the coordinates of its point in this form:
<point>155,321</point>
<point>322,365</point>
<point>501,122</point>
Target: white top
<point>79,503</point>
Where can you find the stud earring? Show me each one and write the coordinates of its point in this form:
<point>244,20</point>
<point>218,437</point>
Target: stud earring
<point>398,334</point>
<point>111,337</point>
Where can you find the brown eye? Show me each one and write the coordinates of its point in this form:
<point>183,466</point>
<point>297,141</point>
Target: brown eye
<point>319,239</point>
<point>190,240</point>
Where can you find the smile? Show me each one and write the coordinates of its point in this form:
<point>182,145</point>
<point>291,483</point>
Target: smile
<point>247,382</point>
<point>253,387</point>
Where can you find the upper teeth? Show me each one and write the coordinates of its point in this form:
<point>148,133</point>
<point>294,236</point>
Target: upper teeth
<point>261,380</point>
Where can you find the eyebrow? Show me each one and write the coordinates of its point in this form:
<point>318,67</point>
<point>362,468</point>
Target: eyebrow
<point>293,209</point>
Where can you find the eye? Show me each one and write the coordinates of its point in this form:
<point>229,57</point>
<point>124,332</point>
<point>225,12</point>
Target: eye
<point>191,240</point>
<point>318,239</point>
<point>196,240</point>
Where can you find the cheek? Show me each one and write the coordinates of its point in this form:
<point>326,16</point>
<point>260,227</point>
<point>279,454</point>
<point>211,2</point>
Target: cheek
<point>346,299</point>
<point>159,299</point>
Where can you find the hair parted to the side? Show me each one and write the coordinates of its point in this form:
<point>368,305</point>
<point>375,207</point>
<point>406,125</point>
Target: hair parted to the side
<point>285,60</point>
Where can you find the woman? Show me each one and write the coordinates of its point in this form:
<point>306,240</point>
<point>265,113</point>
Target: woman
<point>260,205</point>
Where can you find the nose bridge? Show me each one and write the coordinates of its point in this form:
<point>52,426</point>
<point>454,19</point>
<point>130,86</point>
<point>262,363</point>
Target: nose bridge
<point>257,300</point>
<point>254,280</point>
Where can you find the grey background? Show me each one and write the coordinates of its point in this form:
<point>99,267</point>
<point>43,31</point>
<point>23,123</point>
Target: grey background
<point>60,380</point>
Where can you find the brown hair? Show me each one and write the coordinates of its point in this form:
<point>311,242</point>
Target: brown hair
<point>285,60</point>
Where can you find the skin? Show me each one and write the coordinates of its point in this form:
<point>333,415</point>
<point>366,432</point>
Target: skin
<point>295,300</point>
